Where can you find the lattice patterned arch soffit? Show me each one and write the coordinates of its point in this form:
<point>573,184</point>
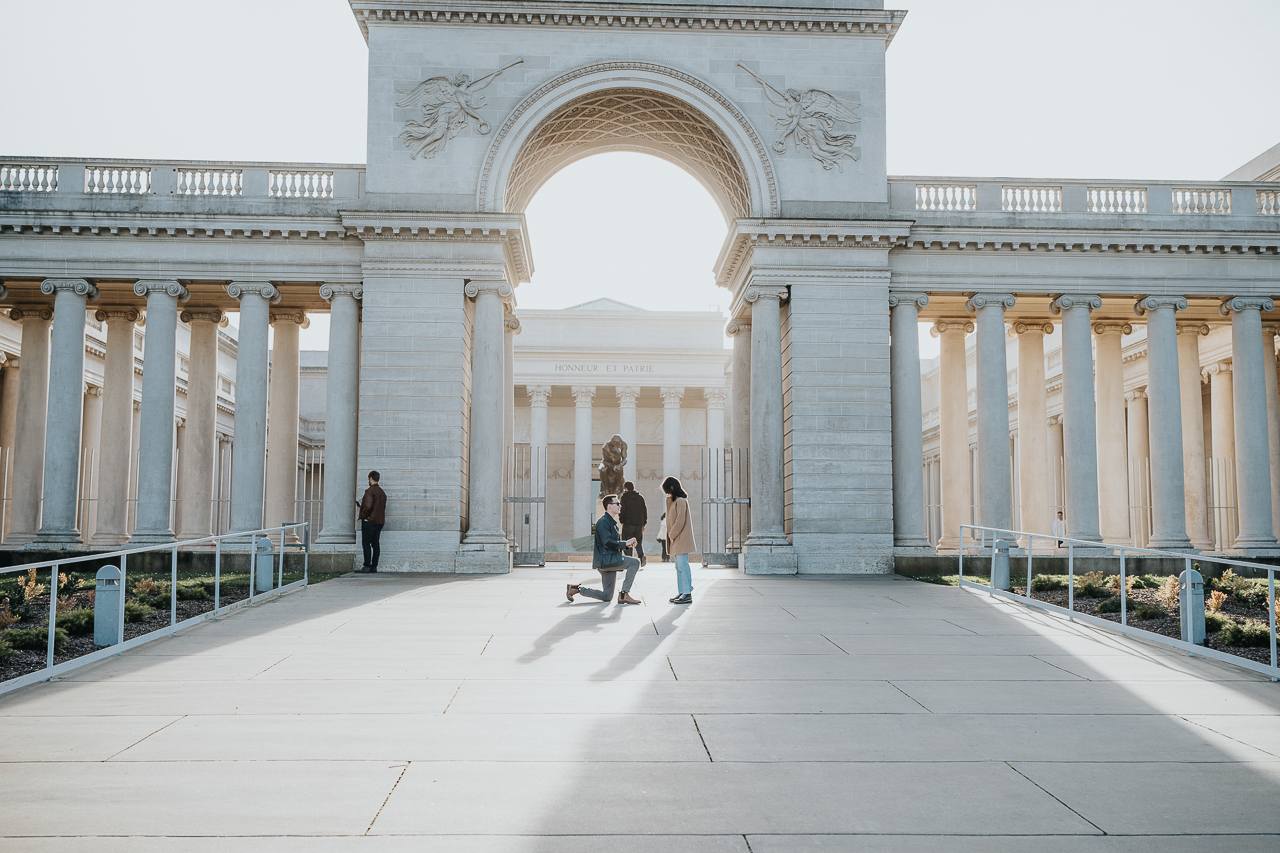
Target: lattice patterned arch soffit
<point>636,120</point>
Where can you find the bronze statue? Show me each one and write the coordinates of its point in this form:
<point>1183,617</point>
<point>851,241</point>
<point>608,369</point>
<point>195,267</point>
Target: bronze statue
<point>613,457</point>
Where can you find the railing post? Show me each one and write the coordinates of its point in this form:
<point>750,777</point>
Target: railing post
<point>124,581</point>
<point>306,554</point>
<point>281,560</point>
<point>1071,579</point>
<point>960,553</point>
<point>253,568</point>
<point>1271,598</point>
<point>217,576</point>
<point>53,612</point>
<point>173,587</point>
<point>1124,595</point>
<point>1031,547</point>
<point>1187,570</point>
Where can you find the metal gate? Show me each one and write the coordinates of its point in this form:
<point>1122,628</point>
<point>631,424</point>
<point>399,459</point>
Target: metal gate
<point>726,504</point>
<point>524,505</point>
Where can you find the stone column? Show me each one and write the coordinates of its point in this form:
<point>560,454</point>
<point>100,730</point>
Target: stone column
<point>906,414</point>
<point>1195,492</point>
<point>1056,464</point>
<point>159,370</point>
<point>1079,436</point>
<point>1273,417</point>
<point>1035,474</point>
<point>539,395</point>
<point>484,548</point>
<point>249,449</point>
<point>582,503</point>
<point>1139,448</point>
<point>65,412</point>
<point>1113,479</point>
<point>671,436</point>
<point>91,441</point>
<point>28,439</point>
<point>342,405</point>
<point>953,429</point>
<point>995,500</point>
<point>9,429</point>
<point>627,396</point>
<point>117,427</point>
<point>200,448</point>
<point>1167,408</point>
<point>740,417</point>
<point>767,549</point>
<point>511,328</point>
<point>1253,473</point>
<point>714,486</point>
<point>282,421</point>
<point>1222,443</point>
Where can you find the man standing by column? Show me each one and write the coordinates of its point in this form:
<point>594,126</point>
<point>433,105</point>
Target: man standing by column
<point>373,514</point>
<point>634,516</point>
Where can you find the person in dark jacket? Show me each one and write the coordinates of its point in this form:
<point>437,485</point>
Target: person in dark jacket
<point>634,516</point>
<point>608,558</point>
<point>373,514</point>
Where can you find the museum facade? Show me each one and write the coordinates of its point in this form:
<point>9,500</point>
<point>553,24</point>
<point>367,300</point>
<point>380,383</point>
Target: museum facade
<point>829,264</point>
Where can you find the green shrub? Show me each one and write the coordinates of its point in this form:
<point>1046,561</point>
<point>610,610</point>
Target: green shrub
<point>1110,605</point>
<point>1254,595</point>
<point>194,591</point>
<point>1231,582</point>
<point>1148,611</point>
<point>1091,590</point>
<point>1045,583</point>
<point>78,623</point>
<point>1213,623</point>
<point>36,639</point>
<point>6,651</point>
<point>1148,582</point>
<point>938,579</point>
<point>1249,633</point>
<point>136,611</point>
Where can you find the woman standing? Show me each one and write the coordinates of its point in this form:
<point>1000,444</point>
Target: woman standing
<point>679,538</point>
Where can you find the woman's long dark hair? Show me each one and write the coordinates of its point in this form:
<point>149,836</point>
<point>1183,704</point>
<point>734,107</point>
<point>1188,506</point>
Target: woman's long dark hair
<point>672,487</point>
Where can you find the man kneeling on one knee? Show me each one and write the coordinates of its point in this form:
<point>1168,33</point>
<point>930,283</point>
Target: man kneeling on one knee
<point>608,559</point>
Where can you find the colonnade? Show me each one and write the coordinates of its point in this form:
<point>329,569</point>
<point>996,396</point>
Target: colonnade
<point>51,418</point>
<point>1089,436</point>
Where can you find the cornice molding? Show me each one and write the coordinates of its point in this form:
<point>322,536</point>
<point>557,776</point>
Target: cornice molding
<point>750,234</point>
<point>111,224</point>
<point>975,238</point>
<point>506,229</point>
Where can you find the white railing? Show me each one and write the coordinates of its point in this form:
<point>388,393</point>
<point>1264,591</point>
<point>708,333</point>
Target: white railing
<point>1028,199</point>
<point>28,179</point>
<point>1116,200</point>
<point>120,559</point>
<point>1269,202</point>
<point>1224,517</point>
<point>946,197</point>
<point>117,180</point>
<point>986,537</point>
<point>1201,200</point>
<point>209,182</point>
<point>300,185</point>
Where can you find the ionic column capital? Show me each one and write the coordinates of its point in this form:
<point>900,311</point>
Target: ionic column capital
<point>78,286</point>
<point>1193,328</point>
<point>204,315</point>
<point>766,291</point>
<point>941,326</point>
<point>1236,304</point>
<point>1136,394</point>
<point>473,289</point>
<point>738,327</point>
<point>292,316</point>
<point>328,291</point>
<point>902,297</point>
<point>671,397</point>
<point>18,313</point>
<point>512,324</point>
<point>92,390</point>
<point>716,397</point>
<point>1112,329</point>
<point>539,395</point>
<point>107,313</point>
<point>1151,303</point>
<point>1218,367</point>
<point>148,286</point>
<point>1090,301</point>
<point>1023,327</point>
<point>265,289</point>
<point>1004,301</point>
<point>583,395</point>
<point>627,394</point>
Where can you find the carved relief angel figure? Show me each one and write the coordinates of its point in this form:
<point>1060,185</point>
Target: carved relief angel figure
<point>448,105</point>
<point>808,121</point>
<point>613,458</point>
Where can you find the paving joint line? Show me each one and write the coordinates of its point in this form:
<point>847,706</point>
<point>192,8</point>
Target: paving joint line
<point>788,612</point>
<point>487,642</point>
<point>698,729</point>
<point>451,698</point>
<point>1055,666</point>
<point>140,740</point>
<point>255,675</point>
<point>908,695</point>
<point>387,799</point>
<point>832,642</point>
<point>673,669</point>
<point>1051,794</point>
<point>1225,735</point>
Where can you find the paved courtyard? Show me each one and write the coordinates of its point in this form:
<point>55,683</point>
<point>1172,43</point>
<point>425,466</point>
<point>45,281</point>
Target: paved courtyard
<point>777,714</point>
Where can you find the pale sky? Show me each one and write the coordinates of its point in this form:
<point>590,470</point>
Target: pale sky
<point>1139,89</point>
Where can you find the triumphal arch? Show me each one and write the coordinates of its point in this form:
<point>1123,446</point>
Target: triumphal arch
<point>779,110</point>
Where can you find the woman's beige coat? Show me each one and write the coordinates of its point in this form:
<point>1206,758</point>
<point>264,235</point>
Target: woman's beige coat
<point>679,529</point>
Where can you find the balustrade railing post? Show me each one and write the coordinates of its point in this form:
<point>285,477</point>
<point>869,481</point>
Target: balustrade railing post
<point>53,612</point>
<point>306,554</point>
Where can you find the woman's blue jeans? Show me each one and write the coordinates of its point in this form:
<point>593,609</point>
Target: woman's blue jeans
<point>684,580</point>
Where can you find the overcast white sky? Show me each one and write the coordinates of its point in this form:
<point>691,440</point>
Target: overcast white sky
<point>1117,89</point>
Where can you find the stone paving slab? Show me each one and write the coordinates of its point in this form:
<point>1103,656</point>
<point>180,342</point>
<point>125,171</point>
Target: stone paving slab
<point>775,715</point>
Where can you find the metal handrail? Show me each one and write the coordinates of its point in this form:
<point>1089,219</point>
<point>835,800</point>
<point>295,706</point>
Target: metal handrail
<point>121,645</point>
<point>1121,552</point>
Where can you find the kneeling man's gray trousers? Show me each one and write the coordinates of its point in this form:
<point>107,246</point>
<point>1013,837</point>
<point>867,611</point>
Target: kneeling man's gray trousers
<point>608,579</point>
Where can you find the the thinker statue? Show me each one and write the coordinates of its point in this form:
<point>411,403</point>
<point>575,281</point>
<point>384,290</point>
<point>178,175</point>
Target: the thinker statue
<point>613,456</point>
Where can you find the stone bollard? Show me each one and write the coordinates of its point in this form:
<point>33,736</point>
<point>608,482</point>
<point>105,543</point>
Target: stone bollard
<point>106,607</point>
<point>263,569</point>
<point>1191,603</point>
<point>1000,565</point>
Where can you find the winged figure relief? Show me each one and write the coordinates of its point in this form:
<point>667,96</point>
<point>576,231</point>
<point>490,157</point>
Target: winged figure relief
<point>809,121</point>
<point>449,104</point>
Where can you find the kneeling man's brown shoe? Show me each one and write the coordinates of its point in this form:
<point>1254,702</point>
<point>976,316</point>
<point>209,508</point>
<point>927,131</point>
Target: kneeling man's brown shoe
<point>625,598</point>
<point>570,591</point>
